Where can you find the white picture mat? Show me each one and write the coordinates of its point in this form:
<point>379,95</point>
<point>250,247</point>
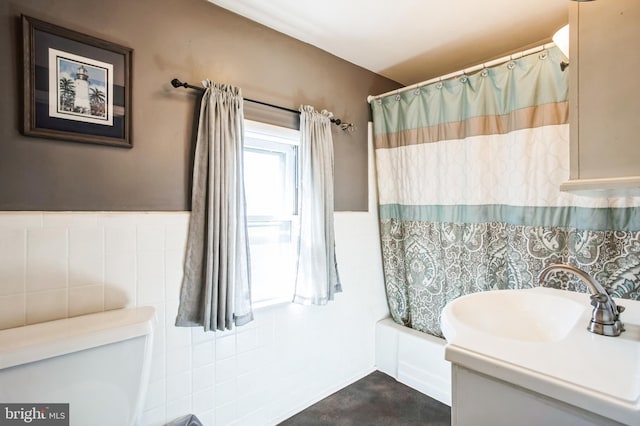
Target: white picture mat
<point>54,98</point>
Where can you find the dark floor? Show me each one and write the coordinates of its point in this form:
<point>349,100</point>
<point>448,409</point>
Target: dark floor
<point>376,400</point>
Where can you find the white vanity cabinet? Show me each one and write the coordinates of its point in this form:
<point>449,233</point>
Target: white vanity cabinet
<point>481,400</point>
<point>604,96</point>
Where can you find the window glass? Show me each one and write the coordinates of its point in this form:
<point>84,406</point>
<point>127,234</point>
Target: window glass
<point>271,185</point>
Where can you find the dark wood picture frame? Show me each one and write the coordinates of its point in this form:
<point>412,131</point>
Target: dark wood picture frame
<point>76,87</point>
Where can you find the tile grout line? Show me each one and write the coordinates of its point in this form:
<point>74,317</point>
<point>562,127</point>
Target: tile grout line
<point>104,264</point>
<point>67,272</point>
<point>25,236</point>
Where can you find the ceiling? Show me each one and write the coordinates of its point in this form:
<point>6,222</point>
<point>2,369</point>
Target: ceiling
<point>410,41</point>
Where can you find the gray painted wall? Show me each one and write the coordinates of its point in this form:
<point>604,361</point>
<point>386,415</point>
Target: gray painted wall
<point>191,40</point>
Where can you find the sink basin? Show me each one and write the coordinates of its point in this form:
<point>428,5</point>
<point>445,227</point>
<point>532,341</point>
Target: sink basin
<point>537,339</point>
<point>514,314</point>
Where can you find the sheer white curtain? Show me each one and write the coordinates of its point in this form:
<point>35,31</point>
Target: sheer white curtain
<point>216,288</point>
<point>317,278</point>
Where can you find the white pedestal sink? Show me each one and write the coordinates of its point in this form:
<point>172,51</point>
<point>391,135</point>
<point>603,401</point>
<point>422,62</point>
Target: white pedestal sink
<point>525,356</point>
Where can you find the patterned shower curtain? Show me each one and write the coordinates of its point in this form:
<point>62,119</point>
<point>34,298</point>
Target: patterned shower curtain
<point>469,172</point>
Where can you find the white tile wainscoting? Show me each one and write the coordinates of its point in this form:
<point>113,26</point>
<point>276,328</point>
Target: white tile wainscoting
<point>60,264</point>
<point>55,265</point>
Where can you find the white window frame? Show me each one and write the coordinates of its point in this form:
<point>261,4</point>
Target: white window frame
<point>262,136</point>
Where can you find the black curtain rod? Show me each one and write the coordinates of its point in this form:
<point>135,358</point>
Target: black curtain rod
<point>177,83</point>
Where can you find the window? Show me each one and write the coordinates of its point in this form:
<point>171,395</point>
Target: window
<point>271,190</point>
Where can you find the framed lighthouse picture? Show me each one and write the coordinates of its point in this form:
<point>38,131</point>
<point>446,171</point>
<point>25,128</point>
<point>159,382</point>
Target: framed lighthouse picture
<point>77,87</point>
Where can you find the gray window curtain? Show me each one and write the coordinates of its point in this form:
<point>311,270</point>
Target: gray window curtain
<point>317,278</point>
<point>216,288</point>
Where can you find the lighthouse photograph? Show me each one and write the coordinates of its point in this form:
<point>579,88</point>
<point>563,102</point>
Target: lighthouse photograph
<point>80,88</point>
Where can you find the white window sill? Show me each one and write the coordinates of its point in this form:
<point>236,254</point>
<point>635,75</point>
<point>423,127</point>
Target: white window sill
<point>270,303</point>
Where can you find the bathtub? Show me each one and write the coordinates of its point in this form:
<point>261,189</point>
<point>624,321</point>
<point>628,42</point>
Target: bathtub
<point>413,358</point>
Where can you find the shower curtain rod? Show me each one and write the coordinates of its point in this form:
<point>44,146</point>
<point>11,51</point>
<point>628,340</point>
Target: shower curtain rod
<point>345,126</point>
<point>465,71</point>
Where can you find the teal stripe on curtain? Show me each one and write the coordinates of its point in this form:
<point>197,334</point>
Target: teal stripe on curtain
<point>585,218</point>
<point>486,93</point>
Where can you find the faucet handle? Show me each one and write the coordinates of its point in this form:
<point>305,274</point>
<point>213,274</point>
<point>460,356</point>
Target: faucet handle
<point>620,309</point>
<point>599,298</point>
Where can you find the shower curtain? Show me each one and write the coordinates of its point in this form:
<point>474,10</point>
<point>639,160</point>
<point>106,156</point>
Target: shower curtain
<point>469,172</point>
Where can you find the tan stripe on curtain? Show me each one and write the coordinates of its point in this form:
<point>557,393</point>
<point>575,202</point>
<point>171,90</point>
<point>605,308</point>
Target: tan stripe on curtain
<point>525,118</point>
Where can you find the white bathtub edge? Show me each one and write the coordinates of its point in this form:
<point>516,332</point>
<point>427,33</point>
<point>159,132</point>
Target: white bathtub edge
<point>413,358</point>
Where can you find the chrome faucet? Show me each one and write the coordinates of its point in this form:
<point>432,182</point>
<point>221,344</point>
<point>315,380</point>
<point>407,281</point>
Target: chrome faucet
<point>605,316</point>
